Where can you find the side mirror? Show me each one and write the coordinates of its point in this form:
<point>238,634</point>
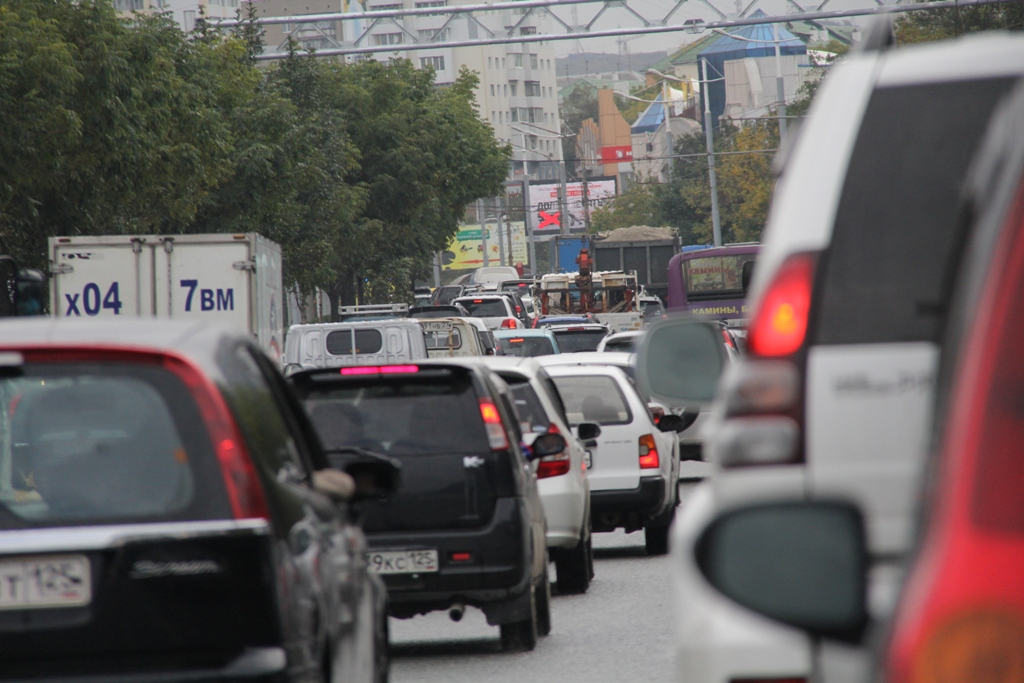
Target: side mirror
<point>587,431</point>
<point>545,444</point>
<point>680,361</point>
<point>376,477</point>
<point>801,563</point>
<point>676,423</point>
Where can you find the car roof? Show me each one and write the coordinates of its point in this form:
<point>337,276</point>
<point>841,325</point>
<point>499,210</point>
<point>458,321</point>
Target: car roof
<point>624,335</point>
<point>570,370</point>
<point>354,322</point>
<point>526,365</point>
<point>578,327</point>
<point>615,358</point>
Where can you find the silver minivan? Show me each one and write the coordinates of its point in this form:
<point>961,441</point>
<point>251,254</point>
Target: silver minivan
<point>330,345</point>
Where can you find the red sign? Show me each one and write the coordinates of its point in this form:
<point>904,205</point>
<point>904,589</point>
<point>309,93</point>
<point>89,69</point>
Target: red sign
<point>547,219</point>
<point>614,155</point>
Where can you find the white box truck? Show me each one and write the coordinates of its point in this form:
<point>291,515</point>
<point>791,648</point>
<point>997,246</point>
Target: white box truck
<point>234,279</point>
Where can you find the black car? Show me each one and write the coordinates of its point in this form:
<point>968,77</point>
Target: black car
<point>466,527</point>
<point>167,514</point>
<point>443,296</point>
<point>438,311</point>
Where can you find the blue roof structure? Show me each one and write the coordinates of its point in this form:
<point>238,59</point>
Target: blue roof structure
<point>726,48</point>
<point>652,117</point>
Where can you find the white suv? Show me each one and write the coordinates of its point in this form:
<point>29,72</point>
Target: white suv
<point>861,249</point>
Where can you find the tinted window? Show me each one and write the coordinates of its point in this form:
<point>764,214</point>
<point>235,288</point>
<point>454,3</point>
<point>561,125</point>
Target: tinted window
<point>532,415</point>
<point>401,416</point>
<point>627,345</point>
<point>895,246</point>
<point>105,441</point>
<point>593,399</point>
<point>526,346</point>
<point>486,308</point>
<point>443,340</point>
<point>339,342</point>
<point>445,295</point>
<point>570,342</point>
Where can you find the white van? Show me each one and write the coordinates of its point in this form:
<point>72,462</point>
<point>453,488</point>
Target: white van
<point>450,338</point>
<point>332,345</point>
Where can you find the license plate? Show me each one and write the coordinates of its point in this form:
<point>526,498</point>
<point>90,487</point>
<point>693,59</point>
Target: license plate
<point>403,561</point>
<point>59,581</point>
<point>588,459</point>
<point>443,326</point>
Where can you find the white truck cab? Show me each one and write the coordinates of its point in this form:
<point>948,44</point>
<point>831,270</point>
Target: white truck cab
<point>331,345</point>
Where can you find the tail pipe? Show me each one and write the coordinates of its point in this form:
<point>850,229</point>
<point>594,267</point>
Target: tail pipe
<point>456,611</point>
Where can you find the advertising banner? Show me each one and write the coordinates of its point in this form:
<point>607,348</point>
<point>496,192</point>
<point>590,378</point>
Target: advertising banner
<point>615,155</point>
<point>544,204</point>
<point>465,251</point>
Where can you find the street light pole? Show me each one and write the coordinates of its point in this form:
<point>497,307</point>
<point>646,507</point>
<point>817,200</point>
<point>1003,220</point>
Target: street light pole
<point>716,224</point>
<point>780,86</point>
<point>665,90</point>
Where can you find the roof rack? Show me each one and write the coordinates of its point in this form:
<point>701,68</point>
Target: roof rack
<point>374,309</point>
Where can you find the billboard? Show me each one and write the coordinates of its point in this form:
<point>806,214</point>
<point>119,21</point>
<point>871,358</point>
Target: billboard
<point>465,251</point>
<point>544,204</point>
<point>616,155</point>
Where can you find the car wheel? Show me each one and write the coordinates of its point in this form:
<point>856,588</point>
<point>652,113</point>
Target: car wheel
<point>521,635</point>
<point>656,539</point>
<point>574,568</point>
<point>544,606</point>
<point>382,662</point>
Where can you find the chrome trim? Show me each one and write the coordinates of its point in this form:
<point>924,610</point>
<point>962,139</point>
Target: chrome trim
<point>65,539</point>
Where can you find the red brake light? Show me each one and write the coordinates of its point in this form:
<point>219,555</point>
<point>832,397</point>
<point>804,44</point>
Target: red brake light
<point>728,339</point>
<point>648,453</point>
<point>478,301</point>
<point>492,422</point>
<point>379,369</point>
<point>461,557</point>
<point>509,324</point>
<point>575,329</point>
<point>518,309</point>
<point>780,323</point>
<point>517,340</point>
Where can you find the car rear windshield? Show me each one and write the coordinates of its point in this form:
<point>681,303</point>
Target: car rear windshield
<point>443,339</point>
<point>486,308</point>
<point>625,345</point>
<point>895,245</point>
<point>593,399</point>
<point>339,342</point>
<point>103,442</point>
<point>570,341</point>
<point>532,416</point>
<point>437,412</point>
<point>526,346</point>
<point>445,295</point>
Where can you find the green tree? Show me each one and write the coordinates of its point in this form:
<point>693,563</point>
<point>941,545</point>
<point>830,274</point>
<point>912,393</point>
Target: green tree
<point>918,27</point>
<point>575,108</point>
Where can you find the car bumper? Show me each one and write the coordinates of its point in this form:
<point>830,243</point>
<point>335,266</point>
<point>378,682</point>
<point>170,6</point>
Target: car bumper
<point>630,508</point>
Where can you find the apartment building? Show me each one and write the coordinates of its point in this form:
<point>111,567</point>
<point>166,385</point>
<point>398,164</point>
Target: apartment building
<point>184,12</point>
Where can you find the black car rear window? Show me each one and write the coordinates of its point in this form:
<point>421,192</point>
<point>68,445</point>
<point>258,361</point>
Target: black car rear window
<point>526,346</point>
<point>895,244</point>
<point>570,341</point>
<point>486,308</point>
<point>339,342</point>
<point>103,442</point>
<point>401,415</point>
<point>532,416</point>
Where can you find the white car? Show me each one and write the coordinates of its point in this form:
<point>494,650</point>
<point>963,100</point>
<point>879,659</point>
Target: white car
<point>621,341</point>
<point>633,466</point>
<point>847,306</point>
<point>561,479</point>
<point>692,466</point>
<point>493,309</point>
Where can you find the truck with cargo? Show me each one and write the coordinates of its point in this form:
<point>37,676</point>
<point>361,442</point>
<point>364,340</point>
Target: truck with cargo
<point>610,297</point>
<point>233,279</point>
<point>641,250</point>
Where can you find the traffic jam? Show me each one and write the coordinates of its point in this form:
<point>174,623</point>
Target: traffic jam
<point>821,433</point>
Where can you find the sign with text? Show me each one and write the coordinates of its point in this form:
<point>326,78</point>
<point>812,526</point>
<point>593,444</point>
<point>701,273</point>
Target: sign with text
<point>544,204</point>
<point>465,251</point>
<point>615,155</point>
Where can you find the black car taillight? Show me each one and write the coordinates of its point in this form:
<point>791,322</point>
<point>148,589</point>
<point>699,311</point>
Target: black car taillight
<point>763,396</point>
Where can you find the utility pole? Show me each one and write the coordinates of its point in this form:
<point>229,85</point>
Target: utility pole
<point>665,91</point>
<point>780,86</point>
<point>716,224</point>
<point>586,201</point>
<point>437,269</point>
<point>528,219</point>
<point>563,214</point>
<point>501,242</point>
<point>483,231</point>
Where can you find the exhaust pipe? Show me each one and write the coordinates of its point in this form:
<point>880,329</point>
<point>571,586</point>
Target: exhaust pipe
<point>456,611</point>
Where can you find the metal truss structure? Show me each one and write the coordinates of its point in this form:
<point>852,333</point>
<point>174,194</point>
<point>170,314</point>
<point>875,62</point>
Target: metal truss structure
<point>568,30</point>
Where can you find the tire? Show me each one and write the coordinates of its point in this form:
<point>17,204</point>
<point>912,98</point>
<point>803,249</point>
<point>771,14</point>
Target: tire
<point>382,661</point>
<point>590,555</point>
<point>656,539</point>
<point>544,606</point>
<point>574,567</point>
<point>520,636</point>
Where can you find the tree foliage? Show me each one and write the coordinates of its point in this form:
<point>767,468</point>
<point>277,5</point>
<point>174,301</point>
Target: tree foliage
<point>918,27</point>
<point>118,125</point>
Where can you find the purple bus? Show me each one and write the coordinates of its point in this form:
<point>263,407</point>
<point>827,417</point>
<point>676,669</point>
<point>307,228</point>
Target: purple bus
<point>712,283</point>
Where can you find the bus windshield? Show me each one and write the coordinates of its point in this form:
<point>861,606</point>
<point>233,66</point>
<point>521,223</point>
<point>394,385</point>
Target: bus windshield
<point>712,282</point>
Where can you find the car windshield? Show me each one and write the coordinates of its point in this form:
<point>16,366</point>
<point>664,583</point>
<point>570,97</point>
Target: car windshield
<point>627,344</point>
<point>571,341</point>
<point>400,416</point>
<point>593,398</point>
<point>526,346</point>
<point>84,443</point>
<point>486,308</point>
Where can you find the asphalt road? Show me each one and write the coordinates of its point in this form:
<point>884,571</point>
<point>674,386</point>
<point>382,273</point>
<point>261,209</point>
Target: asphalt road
<point>620,631</point>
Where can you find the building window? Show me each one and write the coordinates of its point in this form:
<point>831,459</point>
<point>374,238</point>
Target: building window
<point>437,63</point>
<point>384,8</point>
<point>515,116</point>
<point>533,60</point>
<point>531,88</point>
<point>431,3</point>
<point>136,5</point>
<point>517,61</point>
<point>528,31</point>
<point>502,62</point>
<point>490,67</point>
<point>508,117</point>
<point>533,141</point>
<point>493,117</point>
<point>387,39</point>
<point>499,118</point>
<point>513,86</point>
<point>190,18</point>
<point>432,35</point>
<point>492,90</point>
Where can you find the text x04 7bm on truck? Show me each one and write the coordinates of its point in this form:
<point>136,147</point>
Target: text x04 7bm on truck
<point>234,279</point>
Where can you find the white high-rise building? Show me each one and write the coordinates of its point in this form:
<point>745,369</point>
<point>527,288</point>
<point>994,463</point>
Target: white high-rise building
<point>184,12</point>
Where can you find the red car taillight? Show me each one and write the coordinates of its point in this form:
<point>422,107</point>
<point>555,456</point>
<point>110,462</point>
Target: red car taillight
<point>648,453</point>
<point>961,616</point>
<point>492,422</point>
<point>509,324</point>
<point>240,479</point>
<point>554,465</point>
<point>780,323</point>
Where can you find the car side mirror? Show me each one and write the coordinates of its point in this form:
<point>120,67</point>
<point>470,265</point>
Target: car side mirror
<point>374,478</point>
<point>675,423</point>
<point>545,444</point>
<point>800,563</point>
<point>587,431</point>
<point>680,361</point>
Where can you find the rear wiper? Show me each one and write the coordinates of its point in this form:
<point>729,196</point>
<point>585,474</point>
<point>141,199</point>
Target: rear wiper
<point>362,452</point>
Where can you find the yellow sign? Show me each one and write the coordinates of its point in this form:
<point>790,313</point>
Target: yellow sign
<point>465,251</point>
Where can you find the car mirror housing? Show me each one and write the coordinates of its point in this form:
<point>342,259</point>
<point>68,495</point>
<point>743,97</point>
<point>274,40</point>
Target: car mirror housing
<point>680,361</point>
<point>545,444</point>
<point>587,431</point>
<point>800,563</point>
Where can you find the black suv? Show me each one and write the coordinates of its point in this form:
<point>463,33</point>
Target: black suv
<point>466,527</point>
<point>167,514</point>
